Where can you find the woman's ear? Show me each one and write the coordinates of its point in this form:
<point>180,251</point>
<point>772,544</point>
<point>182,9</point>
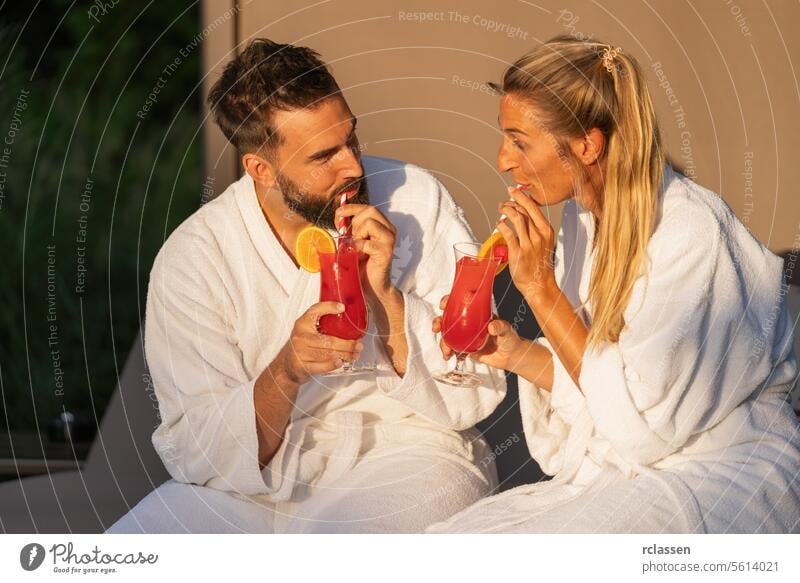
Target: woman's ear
<point>260,169</point>
<point>589,148</point>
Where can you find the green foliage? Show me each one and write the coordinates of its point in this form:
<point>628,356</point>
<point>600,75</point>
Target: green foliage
<point>72,105</point>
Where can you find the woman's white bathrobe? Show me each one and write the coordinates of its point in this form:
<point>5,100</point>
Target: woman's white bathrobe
<point>683,425</point>
<point>366,453</point>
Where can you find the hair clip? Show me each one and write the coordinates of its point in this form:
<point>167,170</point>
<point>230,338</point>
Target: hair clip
<point>609,54</point>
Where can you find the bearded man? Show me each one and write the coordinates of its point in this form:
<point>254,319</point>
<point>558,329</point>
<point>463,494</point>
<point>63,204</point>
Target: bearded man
<point>255,438</point>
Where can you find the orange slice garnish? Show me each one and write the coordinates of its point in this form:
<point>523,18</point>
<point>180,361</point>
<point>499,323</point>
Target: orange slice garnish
<point>310,242</point>
<point>495,246</point>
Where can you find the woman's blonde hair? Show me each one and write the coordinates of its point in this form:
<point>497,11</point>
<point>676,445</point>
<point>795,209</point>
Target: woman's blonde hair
<point>572,86</point>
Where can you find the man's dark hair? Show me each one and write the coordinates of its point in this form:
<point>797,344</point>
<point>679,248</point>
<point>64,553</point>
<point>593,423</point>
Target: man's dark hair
<point>264,78</point>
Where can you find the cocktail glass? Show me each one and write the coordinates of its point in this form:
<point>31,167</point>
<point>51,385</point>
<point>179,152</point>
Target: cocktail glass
<point>468,312</point>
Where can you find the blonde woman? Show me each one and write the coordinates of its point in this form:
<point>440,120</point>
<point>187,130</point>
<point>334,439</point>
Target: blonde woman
<point>657,397</point>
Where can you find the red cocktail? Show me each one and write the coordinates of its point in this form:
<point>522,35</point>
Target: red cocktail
<point>340,281</point>
<point>469,310</point>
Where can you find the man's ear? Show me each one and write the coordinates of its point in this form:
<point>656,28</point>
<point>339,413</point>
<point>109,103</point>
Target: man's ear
<point>261,170</point>
<point>589,148</point>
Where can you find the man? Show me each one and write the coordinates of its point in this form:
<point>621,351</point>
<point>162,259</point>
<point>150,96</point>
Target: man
<point>255,439</point>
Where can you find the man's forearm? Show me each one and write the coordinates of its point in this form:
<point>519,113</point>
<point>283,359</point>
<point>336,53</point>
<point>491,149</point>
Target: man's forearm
<point>389,313</point>
<point>274,397</point>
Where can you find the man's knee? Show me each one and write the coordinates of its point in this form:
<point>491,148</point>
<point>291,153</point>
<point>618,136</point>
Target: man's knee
<point>155,512</point>
<point>409,504</point>
<point>178,508</point>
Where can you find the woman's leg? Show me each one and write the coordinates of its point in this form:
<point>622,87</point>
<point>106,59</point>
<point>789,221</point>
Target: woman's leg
<point>641,505</point>
<point>611,504</point>
<point>752,496</point>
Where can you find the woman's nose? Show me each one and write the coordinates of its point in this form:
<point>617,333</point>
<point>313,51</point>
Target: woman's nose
<point>504,160</point>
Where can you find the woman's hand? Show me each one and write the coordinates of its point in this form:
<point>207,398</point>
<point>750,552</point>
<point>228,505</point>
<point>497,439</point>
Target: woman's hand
<point>530,246</point>
<point>502,349</point>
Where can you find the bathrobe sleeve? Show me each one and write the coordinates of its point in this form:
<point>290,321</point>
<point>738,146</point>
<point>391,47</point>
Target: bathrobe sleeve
<point>687,356</point>
<point>207,432</point>
<point>425,281</point>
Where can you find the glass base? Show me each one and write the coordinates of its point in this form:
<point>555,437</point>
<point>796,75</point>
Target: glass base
<point>351,369</point>
<point>458,378</point>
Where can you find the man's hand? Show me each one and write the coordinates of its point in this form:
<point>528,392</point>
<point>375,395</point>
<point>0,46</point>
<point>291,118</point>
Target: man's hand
<point>309,352</point>
<point>374,236</point>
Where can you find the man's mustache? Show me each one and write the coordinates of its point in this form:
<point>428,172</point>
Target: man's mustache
<point>357,182</point>
<point>333,201</point>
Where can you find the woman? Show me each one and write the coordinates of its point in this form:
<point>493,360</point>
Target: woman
<point>658,394</point>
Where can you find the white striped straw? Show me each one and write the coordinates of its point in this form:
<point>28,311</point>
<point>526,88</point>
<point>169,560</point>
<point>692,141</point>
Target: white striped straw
<point>500,220</point>
<point>502,216</point>
<point>343,221</point>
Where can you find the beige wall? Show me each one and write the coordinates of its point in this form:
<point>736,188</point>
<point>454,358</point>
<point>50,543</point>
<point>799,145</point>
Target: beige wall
<point>413,85</point>
<point>221,18</point>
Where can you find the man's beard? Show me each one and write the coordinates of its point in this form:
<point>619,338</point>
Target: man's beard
<point>315,208</point>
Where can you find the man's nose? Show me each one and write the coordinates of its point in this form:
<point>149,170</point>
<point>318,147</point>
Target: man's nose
<point>350,164</point>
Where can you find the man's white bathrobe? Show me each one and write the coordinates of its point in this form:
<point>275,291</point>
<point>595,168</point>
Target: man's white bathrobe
<point>372,453</point>
<point>683,425</point>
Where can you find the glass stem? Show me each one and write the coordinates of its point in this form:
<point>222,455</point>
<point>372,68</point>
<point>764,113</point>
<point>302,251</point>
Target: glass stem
<point>347,365</point>
<point>460,358</point>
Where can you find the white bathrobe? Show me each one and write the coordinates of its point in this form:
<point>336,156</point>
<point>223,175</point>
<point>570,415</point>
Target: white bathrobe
<point>683,425</point>
<point>373,453</point>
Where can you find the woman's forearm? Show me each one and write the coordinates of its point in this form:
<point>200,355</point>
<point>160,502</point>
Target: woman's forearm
<point>534,363</point>
<point>562,326</point>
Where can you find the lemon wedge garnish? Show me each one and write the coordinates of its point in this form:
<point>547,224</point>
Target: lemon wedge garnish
<point>495,246</point>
